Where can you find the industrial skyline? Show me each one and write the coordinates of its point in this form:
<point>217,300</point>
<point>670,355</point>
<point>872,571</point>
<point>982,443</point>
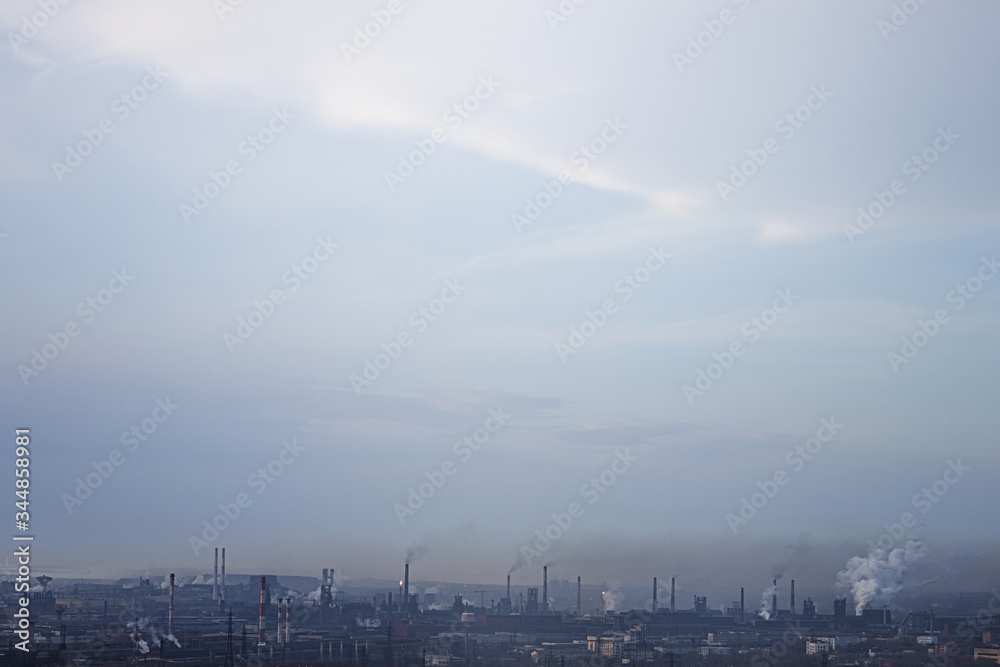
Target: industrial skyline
<point>480,296</point>
<point>371,623</point>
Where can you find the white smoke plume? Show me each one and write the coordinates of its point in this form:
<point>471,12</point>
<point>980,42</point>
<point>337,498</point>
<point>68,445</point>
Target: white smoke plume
<point>766,602</point>
<point>143,625</point>
<point>135,629</point>
<point>613,598</point>
<point>877,579</point>
<point>156,636</point>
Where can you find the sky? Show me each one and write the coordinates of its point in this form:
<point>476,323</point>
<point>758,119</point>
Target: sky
<point>693,287</point>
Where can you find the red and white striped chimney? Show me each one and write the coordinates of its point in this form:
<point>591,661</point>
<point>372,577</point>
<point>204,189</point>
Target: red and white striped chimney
<point>288,612</point>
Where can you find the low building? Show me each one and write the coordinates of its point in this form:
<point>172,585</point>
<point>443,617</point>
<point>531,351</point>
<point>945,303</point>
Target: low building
<point>609,644</point>
<point>818,647</point>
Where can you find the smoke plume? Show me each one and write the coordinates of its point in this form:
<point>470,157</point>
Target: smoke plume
<point>766,601</point>
<point>613,598</point>
<point>415,552</point>
<point>877,579</point>
<point>519,562</point>
<point>799,555</point>
<point>144,625</point>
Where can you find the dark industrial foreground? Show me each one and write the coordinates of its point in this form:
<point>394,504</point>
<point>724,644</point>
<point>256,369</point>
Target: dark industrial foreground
<point>274,620</point>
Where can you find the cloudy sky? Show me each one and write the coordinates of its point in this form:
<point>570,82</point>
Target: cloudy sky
<point>331,238</point>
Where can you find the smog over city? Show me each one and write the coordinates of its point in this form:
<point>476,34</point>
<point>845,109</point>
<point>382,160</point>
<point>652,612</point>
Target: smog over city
<point>534,333</point>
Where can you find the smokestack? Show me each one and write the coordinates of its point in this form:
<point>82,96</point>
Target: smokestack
<point>508,587</point>
<point>260,623</point>
<point>222,584</point>
<point>545,588</point>
<point>654,593</point>
<point>743,606</point>
<point>774,601</point>
<point>278,641</point>
<point>672,607</point>
<point>288,611</point>
<point>215,577</point>
<point>406,588</point>
<point>170,614</point>
<point>793,597</point>
<point>579,597</point>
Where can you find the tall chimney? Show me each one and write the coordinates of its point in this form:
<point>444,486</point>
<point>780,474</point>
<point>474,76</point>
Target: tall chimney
<point>406,588</point>
<point>743,606</point>
<point>793,597</point>
<point>654,593</point>
<point>774,601</point>
<point>288,612</point>
<point>508,587</point>
<point>215,577</point>
<point>222,583</point>
<point>579,597</point>
<point>672,607</point>
<point>545,588</point>
<point>170,614</point>
<point>278,640</point>
<point>260,623</point>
